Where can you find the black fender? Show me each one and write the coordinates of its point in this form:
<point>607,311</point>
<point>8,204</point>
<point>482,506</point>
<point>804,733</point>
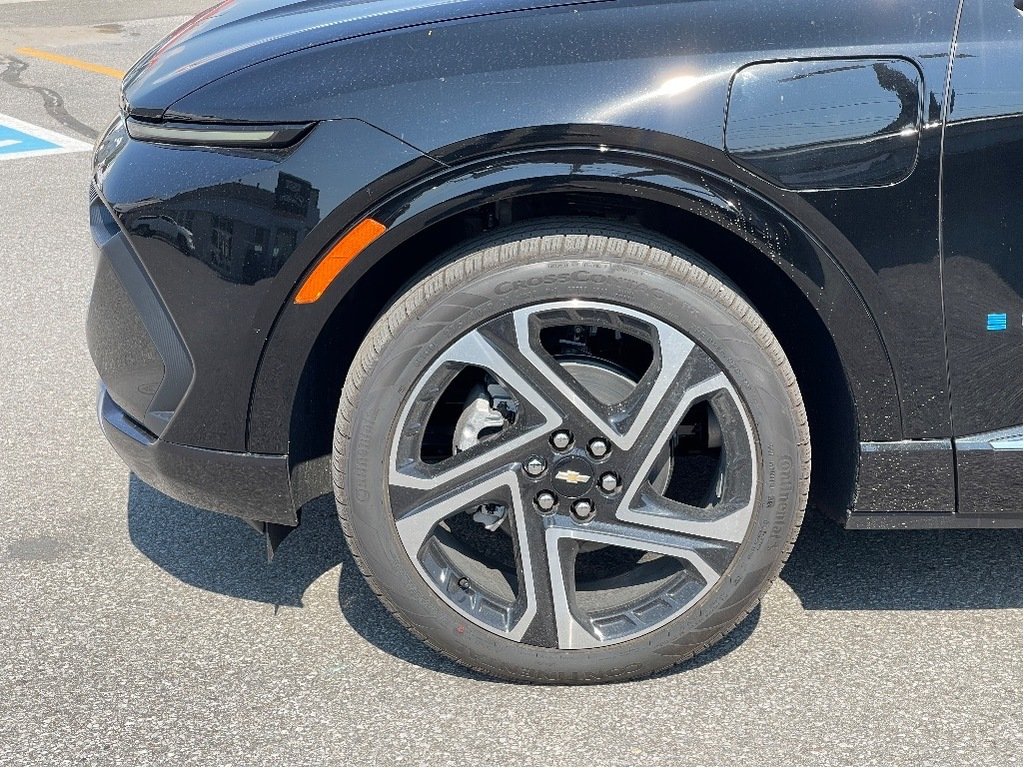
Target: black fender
<point>738,203</point>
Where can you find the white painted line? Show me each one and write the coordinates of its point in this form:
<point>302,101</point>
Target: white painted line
<point>55,143</point>
<point>16,2</point>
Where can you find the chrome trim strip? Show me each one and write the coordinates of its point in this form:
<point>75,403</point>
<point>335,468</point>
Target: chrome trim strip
<point>905,445</point>
<point>1008,439</point>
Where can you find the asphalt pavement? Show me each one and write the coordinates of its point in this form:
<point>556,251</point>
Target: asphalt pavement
<point>135,629</point>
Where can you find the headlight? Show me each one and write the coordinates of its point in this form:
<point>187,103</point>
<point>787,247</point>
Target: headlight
<point>217,135</point>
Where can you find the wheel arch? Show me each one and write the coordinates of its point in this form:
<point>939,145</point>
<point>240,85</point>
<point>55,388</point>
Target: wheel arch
<point>789,277</point>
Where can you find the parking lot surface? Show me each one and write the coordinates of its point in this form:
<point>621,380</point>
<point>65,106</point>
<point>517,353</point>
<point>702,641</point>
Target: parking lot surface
<point>138,630</point>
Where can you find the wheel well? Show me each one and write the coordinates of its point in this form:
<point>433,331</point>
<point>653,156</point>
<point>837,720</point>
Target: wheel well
<point>803,335</point>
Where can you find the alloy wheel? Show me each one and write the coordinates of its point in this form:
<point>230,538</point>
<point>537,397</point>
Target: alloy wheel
<point>572,474</point>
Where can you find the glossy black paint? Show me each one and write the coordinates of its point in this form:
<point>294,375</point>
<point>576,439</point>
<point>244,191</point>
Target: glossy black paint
<point>826,123</point>
<point>257,218</point>
<point>234,34</point>
<point>572,168</point>
<point>981,226</point>
<point>135,345</point>
<point>663,67</point>
<point>989,485</point>
<point>982,256</point>
<point>642,65</point>
<point>432,114</point>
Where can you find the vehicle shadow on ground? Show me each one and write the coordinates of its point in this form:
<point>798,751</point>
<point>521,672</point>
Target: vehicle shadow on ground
<point>226,555</point>
<point>829,569</point>
<point>834,569</point>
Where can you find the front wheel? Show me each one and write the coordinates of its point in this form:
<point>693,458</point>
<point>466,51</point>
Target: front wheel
<point>571,454</point>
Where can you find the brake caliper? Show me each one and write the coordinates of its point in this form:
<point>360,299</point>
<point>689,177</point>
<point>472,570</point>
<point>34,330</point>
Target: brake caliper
<point>489,409</point>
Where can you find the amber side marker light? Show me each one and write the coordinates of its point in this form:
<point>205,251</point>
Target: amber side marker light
<point>343,251</point>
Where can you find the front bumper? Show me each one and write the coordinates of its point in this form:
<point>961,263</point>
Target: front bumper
<point>248,485</point>
<point>146,370</point>
<point>200,248</point>
<point>134,343</point>
<point>197,250</point>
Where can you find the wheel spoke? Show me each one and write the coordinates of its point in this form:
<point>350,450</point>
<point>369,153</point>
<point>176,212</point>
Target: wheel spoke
<point>699,551</point>
<point>720,522</point>
<point>472,349</point>
<point>564,394</point>
<point>728,519</point>
<point>417,524</point>
<point>416,527</point>
<point>624,422</point>
<point>575,629</point>
<point>548,574</point>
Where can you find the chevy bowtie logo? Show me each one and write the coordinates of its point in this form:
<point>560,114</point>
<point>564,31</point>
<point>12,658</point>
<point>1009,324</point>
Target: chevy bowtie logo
<point>572,476</point>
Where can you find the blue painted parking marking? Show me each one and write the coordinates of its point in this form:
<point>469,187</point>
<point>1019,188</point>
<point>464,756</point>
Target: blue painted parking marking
<point>19,139</point>
<point>12,141</point>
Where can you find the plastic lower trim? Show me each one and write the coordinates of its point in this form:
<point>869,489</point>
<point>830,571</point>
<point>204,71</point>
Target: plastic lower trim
<point>248,485</point>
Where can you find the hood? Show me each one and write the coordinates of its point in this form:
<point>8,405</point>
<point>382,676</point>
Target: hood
<point>235,34</point>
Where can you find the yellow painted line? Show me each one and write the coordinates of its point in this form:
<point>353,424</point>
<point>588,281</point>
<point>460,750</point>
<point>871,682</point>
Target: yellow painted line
<point>88,66</point>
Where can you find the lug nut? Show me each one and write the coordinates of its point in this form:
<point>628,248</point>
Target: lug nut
<point>598,448</point>
<point>561,439</point>
<point>582,509</point>
<point>546,501</point>
<point>535,466</point>
<point>609,482</point>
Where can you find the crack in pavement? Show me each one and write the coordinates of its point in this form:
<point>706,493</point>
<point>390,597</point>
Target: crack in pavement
<point>53,102</point>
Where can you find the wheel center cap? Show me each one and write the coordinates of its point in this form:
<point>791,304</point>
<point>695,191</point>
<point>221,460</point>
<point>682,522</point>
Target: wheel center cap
<point>572,477</point>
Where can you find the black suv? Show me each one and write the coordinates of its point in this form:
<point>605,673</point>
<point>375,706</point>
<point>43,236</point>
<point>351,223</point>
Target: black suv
<point>573,306</point>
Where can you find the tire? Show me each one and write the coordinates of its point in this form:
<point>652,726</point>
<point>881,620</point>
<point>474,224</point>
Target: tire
<point>452,405</point>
